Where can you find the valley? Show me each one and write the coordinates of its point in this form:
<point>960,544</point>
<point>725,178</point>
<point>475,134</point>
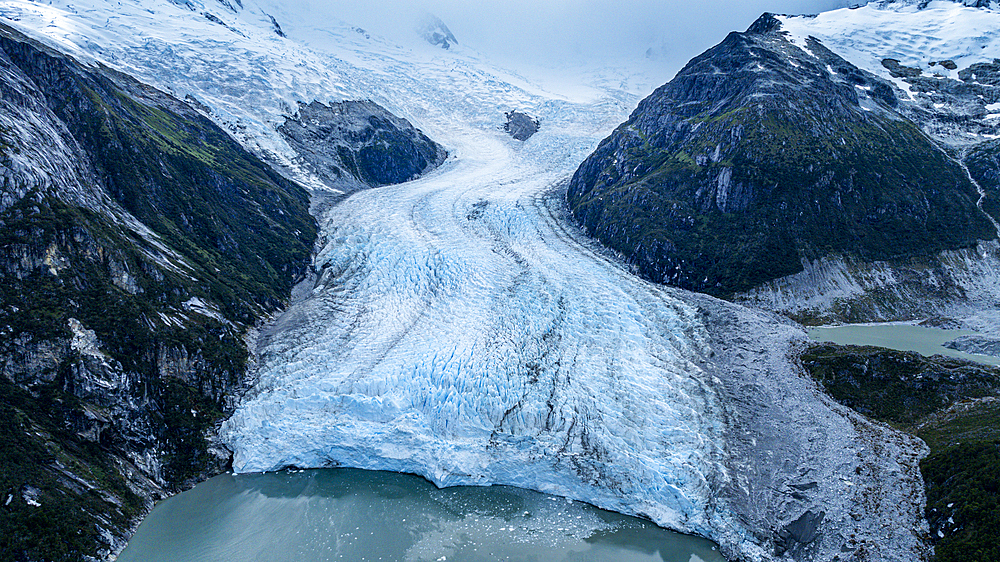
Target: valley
<point>455,319</point>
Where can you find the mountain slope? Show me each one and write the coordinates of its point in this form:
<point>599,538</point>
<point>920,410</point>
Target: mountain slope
<point>351,145</point>
<point>460,329</point>
<point>939,59</point>
<point>140,243</point>
<point>761,155</point>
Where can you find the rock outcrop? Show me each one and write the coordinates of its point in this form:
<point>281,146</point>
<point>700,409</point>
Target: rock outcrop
<point>435,32</point>
<point>519,125</point>
<point>140,245</point>
<point>356,144</point>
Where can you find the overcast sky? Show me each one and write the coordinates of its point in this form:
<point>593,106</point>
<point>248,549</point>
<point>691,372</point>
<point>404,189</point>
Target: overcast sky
<point>552,32</point>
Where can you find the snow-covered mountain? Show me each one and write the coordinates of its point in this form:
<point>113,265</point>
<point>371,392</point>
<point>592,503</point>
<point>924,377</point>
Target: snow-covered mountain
<point>762,153</point>
<point>460,328</point>
<point>834,167</point>
<point>941,58</point>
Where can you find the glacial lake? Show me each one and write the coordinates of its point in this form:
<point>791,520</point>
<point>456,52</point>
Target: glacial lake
<point>904,337</point>
<point>356,515</point>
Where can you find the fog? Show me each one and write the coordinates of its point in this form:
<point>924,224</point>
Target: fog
<point>563,33</point>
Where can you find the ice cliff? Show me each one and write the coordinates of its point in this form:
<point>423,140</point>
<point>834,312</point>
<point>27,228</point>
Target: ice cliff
<point>458,327</point>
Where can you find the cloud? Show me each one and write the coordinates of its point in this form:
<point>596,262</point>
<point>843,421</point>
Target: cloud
<point>557,33</point>
<point>608,28</point>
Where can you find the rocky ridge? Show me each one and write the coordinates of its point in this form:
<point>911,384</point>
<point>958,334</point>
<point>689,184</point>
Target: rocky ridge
<point>357,144</point>
<point>141,245</point>
<point>435,32</point>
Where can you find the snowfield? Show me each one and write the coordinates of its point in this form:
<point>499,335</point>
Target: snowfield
<point>914,33</point>
<point>458,327</point>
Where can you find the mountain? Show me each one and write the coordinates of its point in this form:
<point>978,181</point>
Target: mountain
<point>457,326</point>
<point>763,154</point>
<point>359,144</point>
<point>839,167</point>
<point>142,248</point>
<point>141,243</point>
<point>940,59</point>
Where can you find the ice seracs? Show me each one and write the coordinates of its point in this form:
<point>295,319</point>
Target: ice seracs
<point>459,328</point>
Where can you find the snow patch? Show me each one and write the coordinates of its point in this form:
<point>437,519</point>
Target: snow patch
<point>916,37</point>
<point>199,306</point>
<point>30,495</point>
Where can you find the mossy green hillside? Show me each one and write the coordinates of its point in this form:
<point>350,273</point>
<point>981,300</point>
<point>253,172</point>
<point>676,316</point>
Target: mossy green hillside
<point>244,229</point>
<point>755,158</point>
<point>120,348</point>
<point>56,490</point>
<point>899,387</point>
<point>152,411</point>
<point>954,406</point>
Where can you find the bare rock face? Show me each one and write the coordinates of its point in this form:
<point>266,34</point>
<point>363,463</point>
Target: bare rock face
<point>356,144</point>
<point>140,244</point>
<point>435,32</point>
<point>520,125</point>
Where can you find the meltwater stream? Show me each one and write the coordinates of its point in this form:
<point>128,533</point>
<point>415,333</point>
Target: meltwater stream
<point>361,516</point>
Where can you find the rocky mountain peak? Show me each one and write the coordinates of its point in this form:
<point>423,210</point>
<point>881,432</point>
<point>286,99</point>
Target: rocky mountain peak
<point>763,153</point>
<point>766,23</point>
<point>435,32</point>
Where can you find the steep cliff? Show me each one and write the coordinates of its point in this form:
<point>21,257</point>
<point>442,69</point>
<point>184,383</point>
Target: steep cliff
<point>356,144</point>
<point>140,244</point>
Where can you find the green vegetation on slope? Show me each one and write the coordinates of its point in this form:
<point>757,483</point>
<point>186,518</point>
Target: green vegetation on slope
<point>755,158</point>
<point>953,405</point>
<point>72,484</point>
<point>97,428</point>
<point>94,430</point>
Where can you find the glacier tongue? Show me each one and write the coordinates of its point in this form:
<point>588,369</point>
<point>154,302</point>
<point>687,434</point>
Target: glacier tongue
<point>458,328</point>
<point>457,332</point>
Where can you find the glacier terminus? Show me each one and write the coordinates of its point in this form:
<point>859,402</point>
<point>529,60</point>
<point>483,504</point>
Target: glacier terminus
<point>460,327</point>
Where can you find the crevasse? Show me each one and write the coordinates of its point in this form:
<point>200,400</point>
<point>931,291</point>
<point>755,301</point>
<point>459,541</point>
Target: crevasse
<point>457,331</point>
<point>459,328</point>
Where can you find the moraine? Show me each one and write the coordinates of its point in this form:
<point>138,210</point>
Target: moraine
<point>458,328</point>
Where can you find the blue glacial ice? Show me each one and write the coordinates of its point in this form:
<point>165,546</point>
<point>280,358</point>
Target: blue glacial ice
<point>459,327</point>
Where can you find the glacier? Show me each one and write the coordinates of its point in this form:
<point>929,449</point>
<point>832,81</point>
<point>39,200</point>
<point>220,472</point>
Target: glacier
<point>460,328</point>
